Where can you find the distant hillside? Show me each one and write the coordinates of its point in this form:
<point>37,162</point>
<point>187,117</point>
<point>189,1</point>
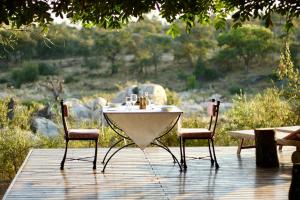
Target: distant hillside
<point>91,61</point>
<point>79,80</point>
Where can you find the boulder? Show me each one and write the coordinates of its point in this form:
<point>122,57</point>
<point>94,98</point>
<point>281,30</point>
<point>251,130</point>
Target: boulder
<point>216,96</point>
<point>45,112</point>
<point>90,110</point>
<point>96,103</point>
<point>45,127</point>
<point>78,110</point>
<point>156,93</point>
<point>4,95</point>
<point>72,101</point>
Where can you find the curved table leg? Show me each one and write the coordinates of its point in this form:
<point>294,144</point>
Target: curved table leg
<point>111,149</point>
<point>168,150</point>
<point>114,154</point>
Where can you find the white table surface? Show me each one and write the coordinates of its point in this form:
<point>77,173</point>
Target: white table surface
<point>143,125</point>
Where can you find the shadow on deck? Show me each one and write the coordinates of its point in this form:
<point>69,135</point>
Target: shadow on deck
<point>134,174</point>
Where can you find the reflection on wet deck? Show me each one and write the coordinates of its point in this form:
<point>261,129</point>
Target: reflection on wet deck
<point>134,174</point>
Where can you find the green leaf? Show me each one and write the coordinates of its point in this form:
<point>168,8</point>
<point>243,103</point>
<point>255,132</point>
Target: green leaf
<point>220,23</point>
<point>174,31</point>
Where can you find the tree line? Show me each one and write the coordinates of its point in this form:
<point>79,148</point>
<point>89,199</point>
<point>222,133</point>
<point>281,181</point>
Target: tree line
<point>205,50</point>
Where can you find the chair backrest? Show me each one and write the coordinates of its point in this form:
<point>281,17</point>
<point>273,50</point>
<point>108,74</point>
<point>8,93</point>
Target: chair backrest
<point>64,114</point>
<point>213,112</point>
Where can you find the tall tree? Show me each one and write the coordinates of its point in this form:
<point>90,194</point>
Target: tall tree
<point>156,44</point>
<point>189,47</point>
<point>247,44</point>
<point>110,45</point>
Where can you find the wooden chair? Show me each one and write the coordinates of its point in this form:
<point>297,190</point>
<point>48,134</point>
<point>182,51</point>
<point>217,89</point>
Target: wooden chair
<point>293,139</point>
<point>202,134</point>
<point>77,134</point>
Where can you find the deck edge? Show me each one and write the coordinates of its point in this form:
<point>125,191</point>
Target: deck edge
<point>16,176</point>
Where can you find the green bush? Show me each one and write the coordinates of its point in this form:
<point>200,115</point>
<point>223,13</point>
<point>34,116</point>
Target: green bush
<point>3,80</point>
<point>236,89</point>
<point>202,72</point>
<point>181,75</point>
<point>28,73</point>
<point>46,69</point>
<point>266,109</point>
<point>14,146</point>
<point>70,78</point>
<point>15,138</point>
<point>172,97</point>
<point>91,63</point>
<point>191,82</point>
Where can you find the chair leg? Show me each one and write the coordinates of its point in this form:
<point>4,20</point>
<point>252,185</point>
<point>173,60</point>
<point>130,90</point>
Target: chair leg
<point>96,150</point>
<point>210,154</point>
<point>180,144</point>
<point>62,164</point>
<point>215,158</point>
<point>184,158</point>
<point>280,148</point>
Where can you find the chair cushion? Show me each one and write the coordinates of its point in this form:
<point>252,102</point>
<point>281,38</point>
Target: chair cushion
<point>195,133</point>
<point>83,133</point>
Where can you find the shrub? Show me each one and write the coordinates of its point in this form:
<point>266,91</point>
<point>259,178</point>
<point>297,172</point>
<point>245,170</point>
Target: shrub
<point>290,77</point>
<point>3,80</point>
<point>172,97</point>
<point>70,78</point>
<point>202,72</point>
<point>28,73</point>
<point>191,82</point>
<point>266,109</point>
<point>91,63</point>
<point>46,69</point>
<point>15,144</point>
<point>181,75</point>
<point>15,138</point>
<point>236,90</point>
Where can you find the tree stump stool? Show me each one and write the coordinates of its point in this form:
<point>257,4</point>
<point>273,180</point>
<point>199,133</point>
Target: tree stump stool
<point>266,152</point>
<point>294,192</point>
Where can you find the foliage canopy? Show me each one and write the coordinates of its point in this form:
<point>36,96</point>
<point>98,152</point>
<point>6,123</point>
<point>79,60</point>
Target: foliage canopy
<point>246,44</point>
<point>112,14</point>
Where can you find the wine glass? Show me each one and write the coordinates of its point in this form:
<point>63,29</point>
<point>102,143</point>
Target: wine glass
<point>148,99</point>
<point>133,99</point>
<point>128,102</point>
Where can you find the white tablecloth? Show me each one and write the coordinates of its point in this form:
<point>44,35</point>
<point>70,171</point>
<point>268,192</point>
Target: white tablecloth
<point>143,126</point>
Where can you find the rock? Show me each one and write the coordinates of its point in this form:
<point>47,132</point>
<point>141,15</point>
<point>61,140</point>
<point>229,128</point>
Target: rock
<point>167,57</point>
<point>72,101</point>
<point>216,97</point>
<point>129,58</point>
<point>45,127</point>
<point>4,95</point>
<point>78,110</point>
<point>45,112</point>
<point>156,93</point>
<point>90,110</point>
<point>96,103</point>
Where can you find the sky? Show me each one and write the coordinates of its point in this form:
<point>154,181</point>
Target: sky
<point>151,15</point>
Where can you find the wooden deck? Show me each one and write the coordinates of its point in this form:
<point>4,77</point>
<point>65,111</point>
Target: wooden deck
<point>134,174</point>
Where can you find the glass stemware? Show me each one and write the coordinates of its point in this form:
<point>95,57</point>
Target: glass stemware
<point>133,99</point>
<point>128,102</point>
<point>147,96</point>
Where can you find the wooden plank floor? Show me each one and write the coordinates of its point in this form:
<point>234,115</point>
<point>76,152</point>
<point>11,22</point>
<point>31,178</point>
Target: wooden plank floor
<point>134,174</point>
